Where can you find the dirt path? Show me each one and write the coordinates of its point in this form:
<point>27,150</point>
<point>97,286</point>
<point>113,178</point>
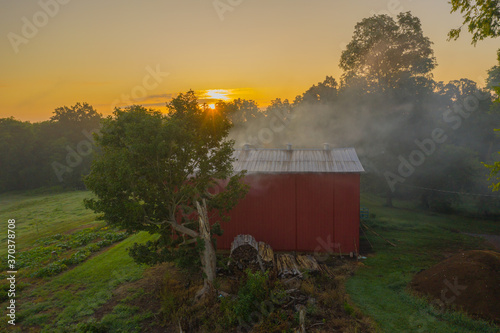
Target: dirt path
<point>492,239</point>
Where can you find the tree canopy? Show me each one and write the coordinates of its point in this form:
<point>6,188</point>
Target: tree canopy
<point>386,53</point>
<point>154,173</point>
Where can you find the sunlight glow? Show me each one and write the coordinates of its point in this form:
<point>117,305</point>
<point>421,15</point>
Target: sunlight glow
<point>217,94</point>
<point>212,106</point>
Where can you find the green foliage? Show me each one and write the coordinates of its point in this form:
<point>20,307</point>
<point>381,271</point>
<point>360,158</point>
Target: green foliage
<point>387,53</point>
<point>42,260</point>
<point>348,308</point>
<point>251,294</point>
<point>154,167</point>
<point>482,18</point>
<point>35,154</point>
<point>51,269</point>
<point>240,111</point>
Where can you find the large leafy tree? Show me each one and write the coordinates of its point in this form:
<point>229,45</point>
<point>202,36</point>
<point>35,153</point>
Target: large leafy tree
<point>391,61</point>
<point>157,173</point>
<point>386,53</point>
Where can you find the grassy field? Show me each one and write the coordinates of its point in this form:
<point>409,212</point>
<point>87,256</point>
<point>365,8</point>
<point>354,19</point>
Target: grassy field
<point>62,302</point>
<point>423,239</point>
<point>42,215</point>
<point>67,301</point>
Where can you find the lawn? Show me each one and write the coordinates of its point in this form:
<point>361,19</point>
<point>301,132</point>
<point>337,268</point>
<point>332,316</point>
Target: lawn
<point>60,303</point>
<point>42,215</point>
<point>380,287</point>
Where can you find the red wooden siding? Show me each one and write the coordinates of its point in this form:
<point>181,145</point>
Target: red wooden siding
<point>314,211</point>
<point>346,211</point>
<point>298,211</point>
<point>267,212</point>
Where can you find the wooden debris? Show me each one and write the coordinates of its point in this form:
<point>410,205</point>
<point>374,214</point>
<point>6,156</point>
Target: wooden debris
<point>266,254</point>
<point>326,270</point>
<point>246,252</point>
<point>286,265</point>
<point>307,263</point>
<point>302,319</point>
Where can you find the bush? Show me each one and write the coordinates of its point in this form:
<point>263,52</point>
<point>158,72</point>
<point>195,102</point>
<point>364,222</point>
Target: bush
<point>253,292</point>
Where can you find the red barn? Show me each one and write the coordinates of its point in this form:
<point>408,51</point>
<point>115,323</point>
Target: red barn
<point>299,199</point>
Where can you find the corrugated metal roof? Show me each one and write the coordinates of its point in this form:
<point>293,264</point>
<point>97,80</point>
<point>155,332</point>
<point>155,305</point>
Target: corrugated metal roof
<point>266,160</point>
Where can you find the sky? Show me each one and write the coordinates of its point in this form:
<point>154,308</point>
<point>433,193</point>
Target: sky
<point>116,53</point>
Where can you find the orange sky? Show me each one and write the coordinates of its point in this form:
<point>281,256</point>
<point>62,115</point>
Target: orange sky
<point>112,53</point>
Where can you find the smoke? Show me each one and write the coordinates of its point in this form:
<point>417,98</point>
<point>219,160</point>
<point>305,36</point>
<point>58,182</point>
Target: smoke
<point>387,129</point>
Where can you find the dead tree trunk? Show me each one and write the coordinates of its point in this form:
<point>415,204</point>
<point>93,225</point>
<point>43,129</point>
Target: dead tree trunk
<point>208,258</point>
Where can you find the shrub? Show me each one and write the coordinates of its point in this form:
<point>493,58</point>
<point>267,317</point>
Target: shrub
<point>251,294</point>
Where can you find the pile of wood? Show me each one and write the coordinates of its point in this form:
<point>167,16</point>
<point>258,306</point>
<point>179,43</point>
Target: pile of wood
<point>246,252</point>
<point>286,265</point>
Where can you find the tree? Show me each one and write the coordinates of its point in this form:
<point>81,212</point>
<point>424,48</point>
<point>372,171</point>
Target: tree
<point>390,62</point>
<point>241,111</point>
<point>16,154</point>
<point>482,18</point>
<point>157,173</point>
<point>386,53</point>
<point>325,92</point>
<point>71,128</point>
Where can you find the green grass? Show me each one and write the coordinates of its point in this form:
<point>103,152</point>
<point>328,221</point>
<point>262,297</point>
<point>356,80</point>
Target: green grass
<point>73,296</point>
<point>42,215</point>
<point>65,302</point>
<point>380,288</point>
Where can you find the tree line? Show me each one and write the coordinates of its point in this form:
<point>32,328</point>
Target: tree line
<point>56,152</point>
<point>417,138</point>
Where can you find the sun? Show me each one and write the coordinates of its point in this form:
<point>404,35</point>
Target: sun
<point>211,106</point>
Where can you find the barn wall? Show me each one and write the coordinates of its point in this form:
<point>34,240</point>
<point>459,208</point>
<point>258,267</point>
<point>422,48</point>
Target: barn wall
<point>304,212</point>
<point>267,212</point>
<point>346,211</point>
<point>314,211</point>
